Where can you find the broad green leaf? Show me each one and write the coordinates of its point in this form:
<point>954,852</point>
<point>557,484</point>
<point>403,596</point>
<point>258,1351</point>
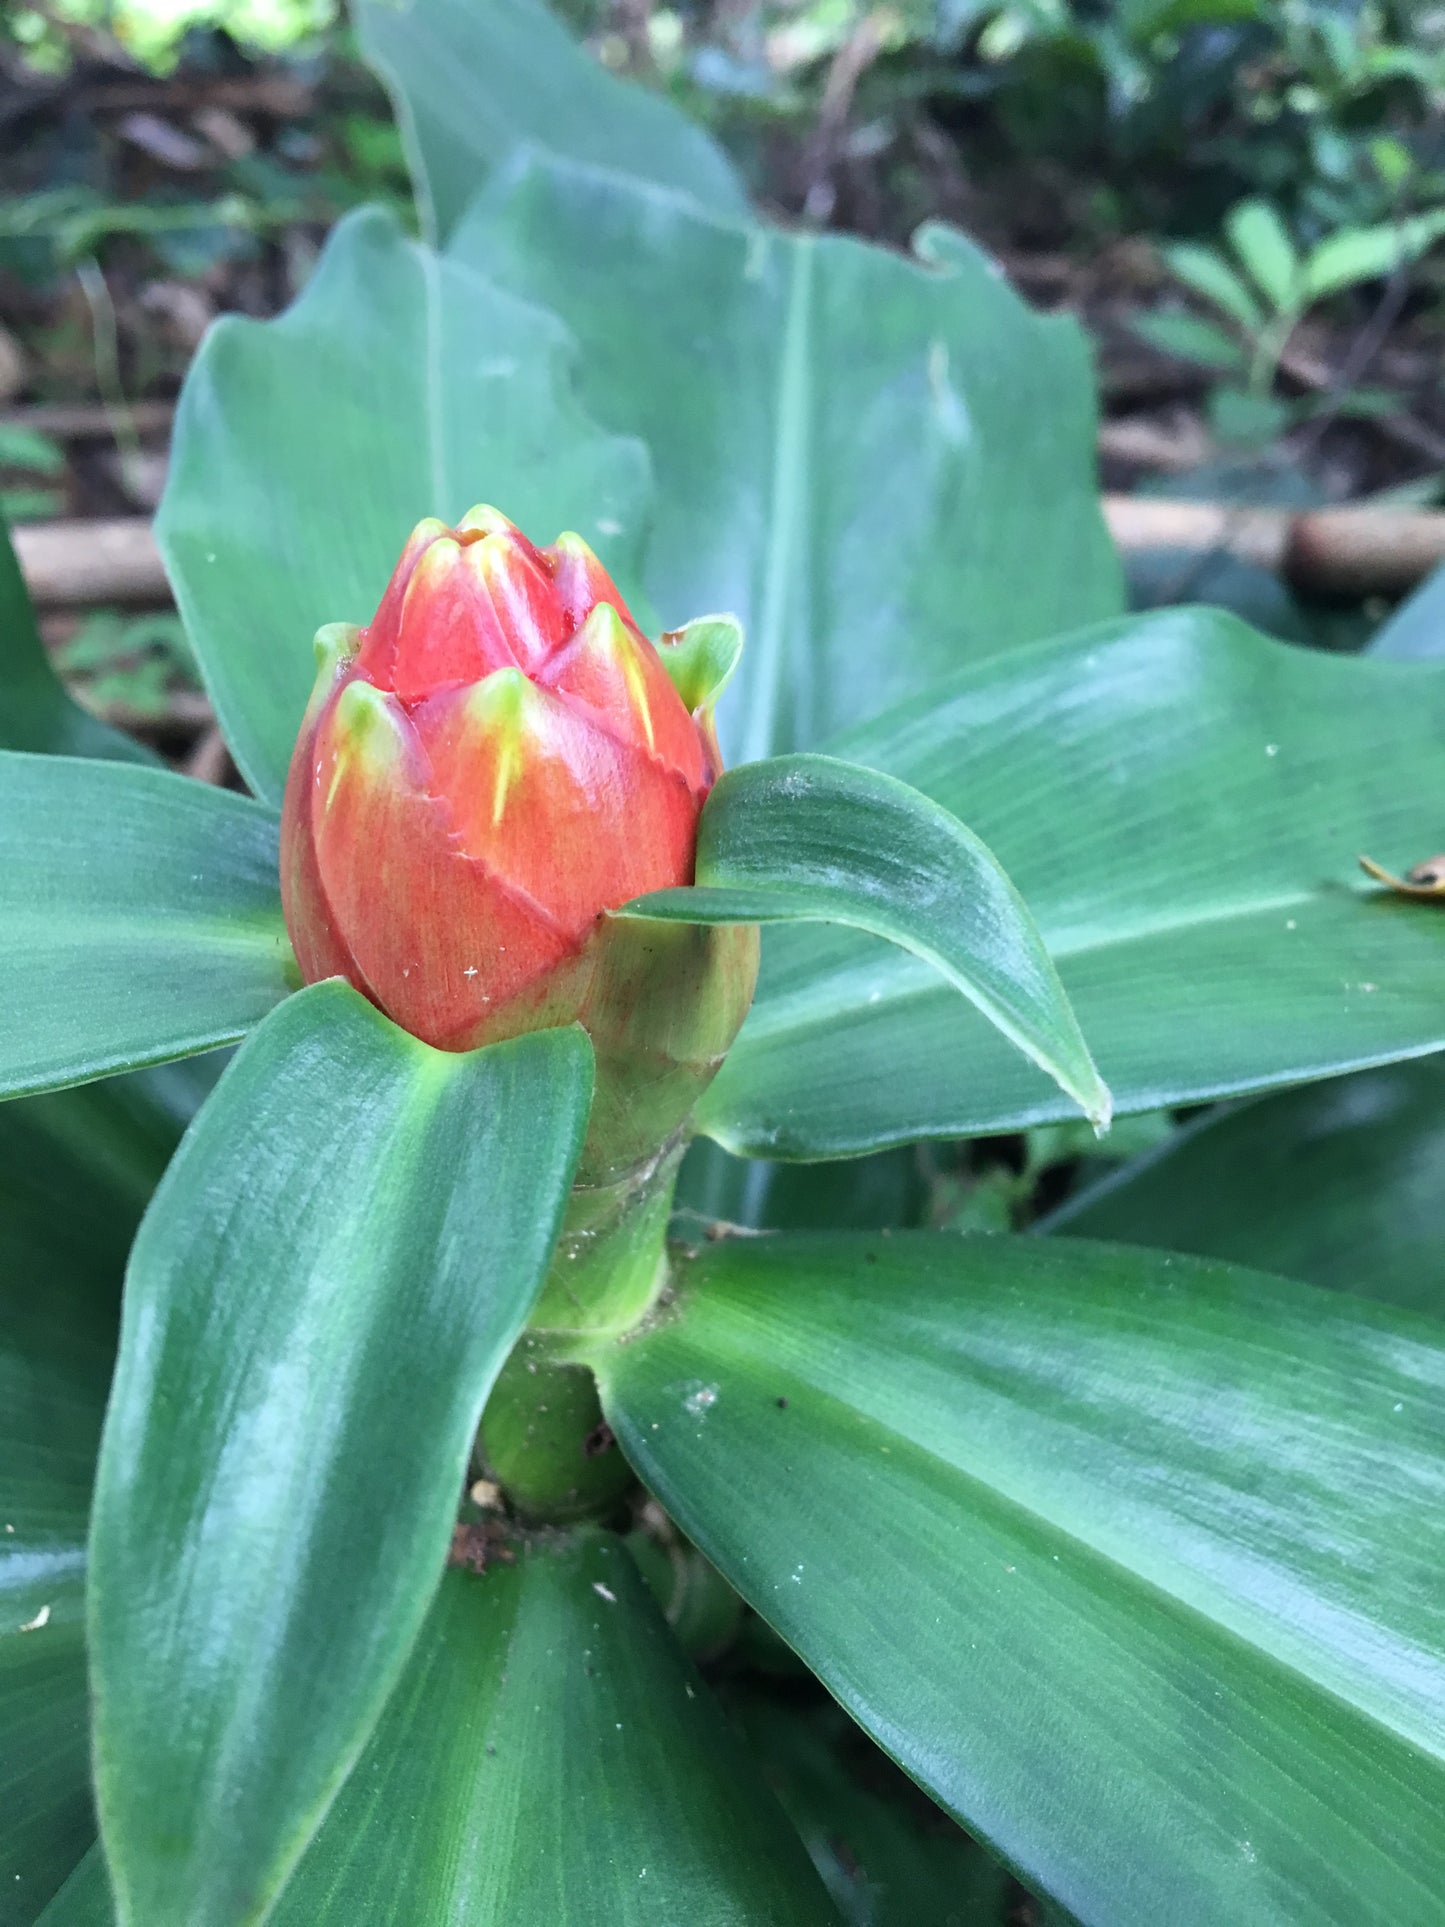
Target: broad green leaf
<point>46,1817</point>
<point>1266,252</point>
<point>810,839</point>
<point>36,714</point>
<point>550,1756</point>
<point>1365,254</point>
<point>1133,1561</point>
<point>1417,627</point>
<point>1181,803</point>
<point>1192,338</point>
<point>84,1900</point>
<point>882,466</point>
<point>1208,273</point>
<point>1340,1183</point>
<point>322,1292</point>
<point>890,1859</point>
<point>141,914</point>
<point>474,80</point>
<point>306,449</point>
<point>76,1168</point>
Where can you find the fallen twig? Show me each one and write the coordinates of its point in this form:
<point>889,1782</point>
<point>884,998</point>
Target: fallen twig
<point>70,565</point>
<point>1340,551</point>
<point>90,421</point>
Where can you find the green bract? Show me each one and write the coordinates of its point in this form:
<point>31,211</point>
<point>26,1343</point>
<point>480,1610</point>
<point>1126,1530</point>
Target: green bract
<point>429,1472</point>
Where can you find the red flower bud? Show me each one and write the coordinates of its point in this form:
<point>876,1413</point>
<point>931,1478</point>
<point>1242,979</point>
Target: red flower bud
<point>499,760</point>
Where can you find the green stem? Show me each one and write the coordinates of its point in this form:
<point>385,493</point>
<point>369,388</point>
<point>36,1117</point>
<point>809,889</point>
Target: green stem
<point>543,1438</point>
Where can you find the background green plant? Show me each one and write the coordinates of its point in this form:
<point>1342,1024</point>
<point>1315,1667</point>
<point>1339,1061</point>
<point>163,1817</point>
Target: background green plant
<point>1129,1559</point>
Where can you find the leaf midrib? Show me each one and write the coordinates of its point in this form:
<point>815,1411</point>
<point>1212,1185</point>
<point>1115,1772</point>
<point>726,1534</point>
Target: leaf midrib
<point>788,500</point>
<point>899,979</point>
<point>1161,1586</point>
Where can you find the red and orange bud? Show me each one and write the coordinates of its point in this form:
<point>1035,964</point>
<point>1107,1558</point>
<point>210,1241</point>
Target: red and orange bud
<point>499,760</point>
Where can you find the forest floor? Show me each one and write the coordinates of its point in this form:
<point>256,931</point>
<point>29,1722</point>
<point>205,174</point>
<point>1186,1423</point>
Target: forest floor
<point>137,208</point>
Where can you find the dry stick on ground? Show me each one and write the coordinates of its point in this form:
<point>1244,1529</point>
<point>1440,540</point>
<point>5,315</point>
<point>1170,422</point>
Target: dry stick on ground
<point>1344,551</point>
<point>90,421</point>
<point>850,63</point>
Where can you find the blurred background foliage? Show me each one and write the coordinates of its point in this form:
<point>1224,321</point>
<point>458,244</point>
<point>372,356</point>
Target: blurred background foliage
<point>1252,191</point>
<point>1242,201</point>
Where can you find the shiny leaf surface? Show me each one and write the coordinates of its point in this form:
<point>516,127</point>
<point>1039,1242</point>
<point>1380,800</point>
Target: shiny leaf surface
<point>550,1755</point>
<point>811,839</point>
<point>152,931</point>
<point>307,448</point>
<point>1181,803</point>
<point>84,1900</point>
<point>474,80</point>
<point>46,1819</point>
<point>325,1286</point>
<point>1132,1560</point>
<point>76,1168</point>
<point>37,714</point>
<point>1340,1183</point>
<point>882,466</point>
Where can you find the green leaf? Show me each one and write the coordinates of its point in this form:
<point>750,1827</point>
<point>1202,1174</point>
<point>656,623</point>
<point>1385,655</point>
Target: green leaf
<point>1341,1184</point>
<point>142,918</point>
<point>881,466</point>
<point>306,449</point>
<point>1366,254</point>
<point>810,839</point>
<point>1208,273</point>
<point>1191,338</point>
<point>474,80</point>
<point>551,1756</point>
<point>702,657</point>
<point>1417,627</point>
<point>76,1168</point>
<point>1261,241</point>
<point>1133,1561</point>
<point>84,1900</point>
<point>326,1285</point>
<point>1241,419</point>
<point>889,1857</point>
<point>46,1817</point>
<point>1182,803</point>
<point>36,713</point>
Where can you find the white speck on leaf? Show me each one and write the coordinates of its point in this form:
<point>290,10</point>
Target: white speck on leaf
<point>1271,749</point>
<point>700,1398</point>
<point>42,1618</point>
<point>603,1592</point>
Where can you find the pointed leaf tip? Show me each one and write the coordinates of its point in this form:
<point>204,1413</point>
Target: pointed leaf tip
<point>701,657</point>
<point>335,643</point>
<point>813,839</point>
